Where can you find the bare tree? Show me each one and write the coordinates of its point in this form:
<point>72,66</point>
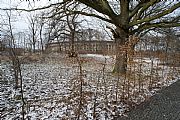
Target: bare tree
<point>54,32</point>
<point>66,27</point>
<point>16,65</point>
<point>33,30</point>
<point>72,24</point>
<point>41,23</point>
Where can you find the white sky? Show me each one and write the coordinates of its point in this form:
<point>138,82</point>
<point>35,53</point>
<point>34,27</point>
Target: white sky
<point>21,21</point>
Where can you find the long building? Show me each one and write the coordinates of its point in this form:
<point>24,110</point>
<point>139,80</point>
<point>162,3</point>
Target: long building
<point>83,47</point>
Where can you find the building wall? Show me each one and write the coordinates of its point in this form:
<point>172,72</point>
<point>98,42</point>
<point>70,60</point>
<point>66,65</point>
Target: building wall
<point>83,47</point>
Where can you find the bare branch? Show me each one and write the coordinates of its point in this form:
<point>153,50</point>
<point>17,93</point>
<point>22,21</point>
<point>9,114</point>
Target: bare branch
<point>155,25</point>
<point>102,6</point>
<point>163,13</point>
<point>141,7</point>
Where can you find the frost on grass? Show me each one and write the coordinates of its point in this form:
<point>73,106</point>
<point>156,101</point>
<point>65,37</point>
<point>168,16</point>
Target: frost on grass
<point>59,89</point>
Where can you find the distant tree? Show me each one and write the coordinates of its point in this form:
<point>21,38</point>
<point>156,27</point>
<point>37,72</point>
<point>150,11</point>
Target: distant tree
<point>2,46</point>
<point>33,28</point>
<point>66,27</point>
<point>41,23</point>
<point>171,39</point>
<point>16,65</point>
<point>73,25</point>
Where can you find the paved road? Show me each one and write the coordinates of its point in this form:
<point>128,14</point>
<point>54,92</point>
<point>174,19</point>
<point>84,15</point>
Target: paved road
<point>163,106</point>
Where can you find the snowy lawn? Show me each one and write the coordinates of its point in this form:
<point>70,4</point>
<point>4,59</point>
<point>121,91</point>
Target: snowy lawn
<point>69,88</point>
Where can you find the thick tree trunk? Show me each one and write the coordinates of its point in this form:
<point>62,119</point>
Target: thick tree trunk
<point>121,54</point>
<point>121,64</point>
<point>121,58</point>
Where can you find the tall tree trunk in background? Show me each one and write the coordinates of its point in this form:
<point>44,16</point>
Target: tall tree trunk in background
<point>33,42</point>
<point>72,43</point>
<point>41,40</point>
<point>71,22</point>
<point>33,47</point>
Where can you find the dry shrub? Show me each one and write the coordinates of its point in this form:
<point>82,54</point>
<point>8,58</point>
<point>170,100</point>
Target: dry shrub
<point>32,58</point>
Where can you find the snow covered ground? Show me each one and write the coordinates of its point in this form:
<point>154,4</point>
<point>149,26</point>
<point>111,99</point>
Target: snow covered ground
<point>65,88</point>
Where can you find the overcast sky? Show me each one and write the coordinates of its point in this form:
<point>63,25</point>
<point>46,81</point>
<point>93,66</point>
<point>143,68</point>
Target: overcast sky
<point>21,17</point>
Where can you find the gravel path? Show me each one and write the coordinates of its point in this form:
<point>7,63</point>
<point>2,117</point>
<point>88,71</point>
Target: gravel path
<point>163,106</point>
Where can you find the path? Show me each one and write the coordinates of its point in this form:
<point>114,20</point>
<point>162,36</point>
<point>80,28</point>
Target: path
<point>163,106</point>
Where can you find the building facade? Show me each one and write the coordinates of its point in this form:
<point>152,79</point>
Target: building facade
<point>83,47</point>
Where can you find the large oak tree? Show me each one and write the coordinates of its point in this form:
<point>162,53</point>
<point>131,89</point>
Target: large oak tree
<point>133,17</point>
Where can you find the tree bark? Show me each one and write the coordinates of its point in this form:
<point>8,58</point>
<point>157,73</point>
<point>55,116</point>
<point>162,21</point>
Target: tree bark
<point>120,36</point>
<point>72,52</point>
<point>121,63</point>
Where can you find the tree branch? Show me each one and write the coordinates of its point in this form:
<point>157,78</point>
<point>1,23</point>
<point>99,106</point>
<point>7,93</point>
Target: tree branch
<point>156,25</point>
<point>148,19</point>
<point>102,6</point>
<point>81,13</point>
<point>141,9</point>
